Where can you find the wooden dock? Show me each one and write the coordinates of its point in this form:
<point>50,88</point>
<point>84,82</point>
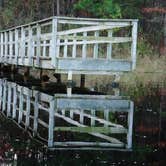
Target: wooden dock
<point>78,122</point>
<point>76,45</point>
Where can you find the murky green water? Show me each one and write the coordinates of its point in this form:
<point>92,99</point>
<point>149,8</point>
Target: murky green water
<point>149,137</point>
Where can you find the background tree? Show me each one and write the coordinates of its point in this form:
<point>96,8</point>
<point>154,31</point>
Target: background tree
<point>98,8</point>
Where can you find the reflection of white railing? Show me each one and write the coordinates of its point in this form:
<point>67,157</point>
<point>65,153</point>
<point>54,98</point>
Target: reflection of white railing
<point>70,44</point>
<point>83,114</point>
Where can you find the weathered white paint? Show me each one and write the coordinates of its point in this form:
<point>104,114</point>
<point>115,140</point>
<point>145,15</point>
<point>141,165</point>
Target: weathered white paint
<point>65,107</point>
<point>43,50</point>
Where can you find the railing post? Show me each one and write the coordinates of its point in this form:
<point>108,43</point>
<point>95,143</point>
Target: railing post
<point>54,53</point>
<point>81,116</point>
<point>84,46</point>
<point>74,47</point>
<point>92,121</point>
<point>130,125</point>
<point>51,123</point>
<point>20,105</point>
<point>22,45</point>
<point>134,43</point>
<point>6,47</point>
<point>96,47</point>
<point>1,47</point>
<point>44,48</point>
<point>10,46</point>
<point>71,114</point>
<point>9,100</point>
<point>28,107</point>
<point>69,87</point>
<point>16,46</point>
<point>38,50</point>
<point>109,46</point>
<point>106,117</point>
<point>65,49</point>
<point>30,46</point>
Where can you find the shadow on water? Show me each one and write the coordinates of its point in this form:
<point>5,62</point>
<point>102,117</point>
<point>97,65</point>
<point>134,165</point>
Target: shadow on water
<point>149,124</point>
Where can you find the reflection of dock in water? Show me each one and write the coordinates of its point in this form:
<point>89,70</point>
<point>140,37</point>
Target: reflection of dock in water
<point>75,122</point>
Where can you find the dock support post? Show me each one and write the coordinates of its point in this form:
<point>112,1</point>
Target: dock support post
<point>26,74</point>
<point>82,81</point>
<point>115,85</point>
<point>13,71</point>
<point>58,77</point>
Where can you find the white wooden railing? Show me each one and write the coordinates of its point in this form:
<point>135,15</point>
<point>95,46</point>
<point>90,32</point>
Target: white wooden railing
<point>71,44</point>
<point>45,115</point>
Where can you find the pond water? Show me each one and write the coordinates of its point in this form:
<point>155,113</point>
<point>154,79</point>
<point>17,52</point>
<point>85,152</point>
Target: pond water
<point>144,140</point>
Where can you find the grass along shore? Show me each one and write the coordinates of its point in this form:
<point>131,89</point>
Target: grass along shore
<point>148,69</point>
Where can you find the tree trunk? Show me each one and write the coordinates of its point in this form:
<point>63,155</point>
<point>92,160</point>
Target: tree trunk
<point>165,34</point>
<point>1,3</point>
<point>165,30</point>
<point>57,7</point>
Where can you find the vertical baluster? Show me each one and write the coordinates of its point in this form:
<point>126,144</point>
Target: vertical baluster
<point>81,116</point>
<point>63,112</point>
<point>36,112</point>
<point>16,46</point>
<point>6,47</point>
<point>106,117</point>
<point>28,107</point>
<point>109,46</point>
<point>33,50</point>
<point>93,113</point>
<point>71,114</point>
<point>51,123</point>
<point>74,46</point>
<point>30,46</point>
<point>58,48</point>
<point>54,50</point>
<point>65,48</point>
<point>69,89</point>
<point>130,125</point>
<point>14,101</point>
<point>84,46</point>
<point>22,45</point>
<point>9,100</point>
<point>44,48</point>
<point>20,105</point>
<point>10,46</point>
<point>38,50</point>
<point>96,47</point>
<point>2,44</point>
<point>134,44</point>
